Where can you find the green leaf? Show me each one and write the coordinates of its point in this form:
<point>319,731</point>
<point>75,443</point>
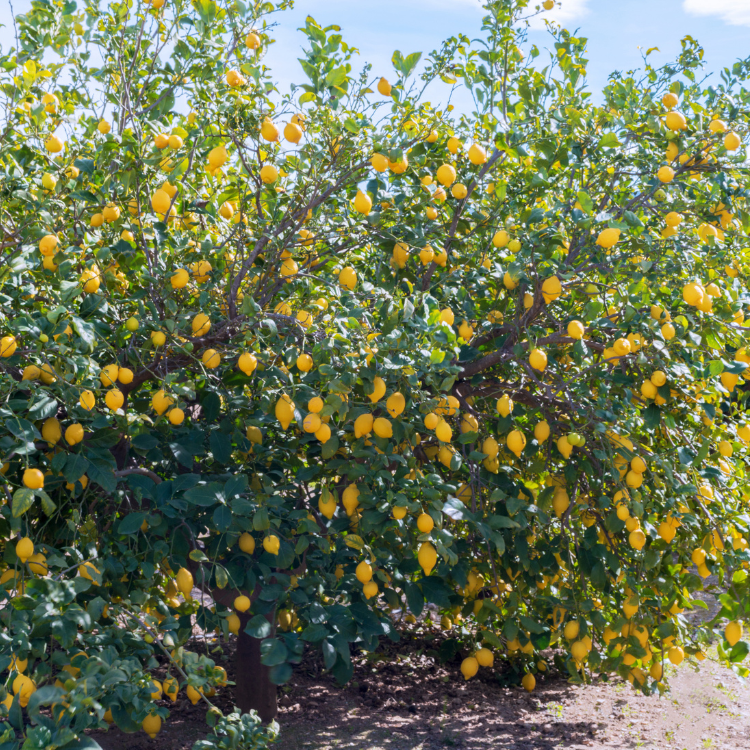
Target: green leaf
<point>739,652</point>
<point>329,448</point>
<point>261,521</point>
<point>123,720</point>
<point>43,407</point>
<point>584,199</point>
<point>45,696</point>
<point>82,743</point>
<point>355,542</point>
<point>609,140</point>
<point>414,598</point>
<point>131,524</point>
<point>532,625</point>
<point>205,494</point>
<point>23,500</point>
<point>272,652</point>
<point>85,165</point>
<point>502,522</point>
<point>280,673</point>
<point>455,509</point>
<point>652,416</point>
<point>685,456</point>
<point>22,429</point>
<point>222,518</point>
<point>48,505</point>
<point>314,633</point>
<point>435,591</point>
<point>144,442</point>
<point>86,331</point>
<point>75,467</point>
<point>351,125</point>
<point>258,627</point>
<point>405,65</point>
<point>702,454</point>
<point>15,715</point>
<point>221,446</point>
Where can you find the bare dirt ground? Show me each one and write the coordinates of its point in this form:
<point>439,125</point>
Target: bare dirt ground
<point>405,699</point>
<point>410,702</point>
<point>404,708</point>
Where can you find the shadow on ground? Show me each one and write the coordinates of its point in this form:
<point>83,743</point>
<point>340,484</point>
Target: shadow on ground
<point>406,699</point>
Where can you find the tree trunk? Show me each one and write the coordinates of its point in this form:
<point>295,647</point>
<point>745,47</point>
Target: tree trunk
<point>254,687</point>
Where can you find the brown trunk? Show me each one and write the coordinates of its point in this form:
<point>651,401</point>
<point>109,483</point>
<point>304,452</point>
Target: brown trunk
<point>254,688</point>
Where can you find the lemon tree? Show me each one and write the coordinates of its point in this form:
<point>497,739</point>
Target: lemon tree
<point>338,358</point>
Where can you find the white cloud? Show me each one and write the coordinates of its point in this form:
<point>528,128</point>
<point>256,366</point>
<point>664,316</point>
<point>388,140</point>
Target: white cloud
<point>566,12</point>
<point>733,12</point>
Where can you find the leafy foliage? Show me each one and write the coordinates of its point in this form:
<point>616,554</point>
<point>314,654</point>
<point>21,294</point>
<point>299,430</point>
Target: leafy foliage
<point>335,355</point>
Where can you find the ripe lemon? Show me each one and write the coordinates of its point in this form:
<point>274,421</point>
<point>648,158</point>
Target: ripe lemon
<point>179,278</point>
<point>53,144</point>
<point>551,289</point>
<point>364,572</point>
<point>477,154</point>
<point>201,324</point>
<point>293,133</point>
<point>665,174</point>
<point>576,329</point>
<point>425,523</point>
<point>327,503</point>
<point>211,359</point>
<point>446,175</point>
<point>87,400</point>
<point>676,121</point>
<point>676,655</point>
<point>114,399</point>
<point>459,191</point>
<point>732,141</point>
<point>90,280</point>
<point>33,479</point>
<point>304,363</point>
<point>247,543</point>
<point>379,162</point>
<point>269,131</point>
<point>25,548</point>
<point>176,416</point>
<point>443,432</point>
<point>233,623</point>
<point>370,589</point>
<point>733,632</point>
<point>348,278</point>
<point>382,427</point>
<point>516,442</point>
<point>608,238</point>
<point>362,203</point>
<point>485,657</point>
<point>538,359</point>
<point>74,434</point>
<point>427,557</point>
<point>311,423</point>
<point>469,667</point>
<point>242,603</point>
<point>271,544</point>
<point>269,174</point>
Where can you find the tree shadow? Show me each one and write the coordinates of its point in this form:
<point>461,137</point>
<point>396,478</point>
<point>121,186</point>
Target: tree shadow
<point>395,706</point>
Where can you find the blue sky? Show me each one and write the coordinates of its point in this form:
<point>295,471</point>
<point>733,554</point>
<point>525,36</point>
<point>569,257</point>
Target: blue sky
<point>616,29</point>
